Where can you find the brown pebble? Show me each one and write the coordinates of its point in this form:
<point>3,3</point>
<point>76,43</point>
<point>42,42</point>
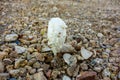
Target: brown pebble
<point>7,61</point>
<point>4,76</point>
<point>87,75</point>
<point>1,67</point>
<point>39,76</point>
<point>3,54</point>
<point>48,73</point>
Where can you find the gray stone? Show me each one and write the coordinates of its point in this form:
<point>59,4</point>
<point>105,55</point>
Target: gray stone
<point>66,78</point>
<point>11,37</point>
<point>39,76</point>
<point>85,53</point>
<point>69,59</point>
<point>20,49</point>
<point>1,67</point>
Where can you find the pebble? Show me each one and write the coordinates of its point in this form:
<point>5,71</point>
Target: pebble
<point>79,57</point>
<point>100,35</point>
<point>106,72</point>
<point>40,56</point>
<point>20,62</point>
<point>46,49</point>
<point>14,73</point>
<point>12,79</point>
<point>84,66</point>
<point>55,73</point>
<point>3,54</point>
<point>119,75</point>
<point>69,59</point>
<point>98,61</point>
<point>66,78</point>
<point>22,72</point>
<point>31,61</point>
<point>1,67</point>
<point>85,53</point>
<point>73,70</point>
<point>32,71</point>
<point>4,76</point>
<point>48,73</point>
<point>87,75</point>
<point>11,37</point>
<point>98,69</point>
<point>20,49</point>
<point>7,61</point>
<point>45,66</point>
<point>106,78</point>
<point>9,67</point>
<point>39,76</point>
<point>66,48</point>
<point>115,53</point>
<point>36,65</point>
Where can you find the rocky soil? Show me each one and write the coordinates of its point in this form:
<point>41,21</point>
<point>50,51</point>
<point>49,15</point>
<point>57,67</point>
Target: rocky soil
<point>92,49</point>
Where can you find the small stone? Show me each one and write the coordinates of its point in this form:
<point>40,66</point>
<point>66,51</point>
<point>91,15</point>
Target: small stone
<point>69,59</point>
<point>84,66</point>
<point>119,75</point>
<point>48,73</point>
<point>30,37</point>
<point>40,56</point>
<point>29,77</point>
<point>79,57</point>
<point>66,78</point>
<point>45,66</point>
<point>55,9</point>
<point>9,67</point>
<point>106,72</point>
<point>31,61</point>
<point>1,67</point>
<point>22,72</point>
<point>11,37</point>
<point>100,35</point>
<point>73,70</point>
<point>98,69</point>
<point>87,75</point>
<point>7,61</point>
<point>46,49</point>
<point>20,49</point>
<point>32,71</point>
<point>36,65</point>
<point>66,48</point>
<point>85,53</point>
<point>106,78</point>
<point>55,73</point>
<point>39,76</point>
<point>12,79</point>
<point>4,76</point>
<point>14,73</point>
<point>97,61</point>
<point>105,55</point>
<point>115,53</point>
<point>31,49</point>
<point>112,59</point>
<point>28,68</point>
<point>20,62</point>
<point>3,54</point>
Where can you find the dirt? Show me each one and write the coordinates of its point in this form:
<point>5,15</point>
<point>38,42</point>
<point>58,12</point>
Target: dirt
<point>83,17</point>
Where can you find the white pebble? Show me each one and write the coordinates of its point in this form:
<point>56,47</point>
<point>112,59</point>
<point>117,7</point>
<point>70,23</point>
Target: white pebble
<point>11,37</point>
<point>20,49</point>
<point>100,35</point>
<point>85,53</point>
<point>66,78</point>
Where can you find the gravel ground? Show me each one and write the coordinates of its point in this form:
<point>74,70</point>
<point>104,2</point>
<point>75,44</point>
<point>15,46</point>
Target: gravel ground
<point>92,49</point>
